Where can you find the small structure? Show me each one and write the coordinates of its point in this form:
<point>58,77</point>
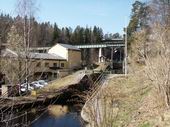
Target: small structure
<point>102,59</point>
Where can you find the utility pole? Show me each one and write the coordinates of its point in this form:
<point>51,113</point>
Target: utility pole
<point>125,52</point>
<point>0,52</point>
<point>0,59</point>
<point>112,58</point>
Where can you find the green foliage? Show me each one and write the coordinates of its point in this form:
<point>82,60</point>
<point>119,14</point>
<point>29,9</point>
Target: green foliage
<point>138,21</point>
<point>46,34</point>
<point>145,125</point>
<point>5,25</point>
<point>56,33</point>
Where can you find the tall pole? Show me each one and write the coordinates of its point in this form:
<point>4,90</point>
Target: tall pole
<point>0,57</point>
<point>112,58</point>
<point>126,67</point>
<point>0,52</point>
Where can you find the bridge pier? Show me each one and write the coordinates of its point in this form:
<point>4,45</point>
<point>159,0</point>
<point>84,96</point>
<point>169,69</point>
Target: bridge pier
<point>100,54</point>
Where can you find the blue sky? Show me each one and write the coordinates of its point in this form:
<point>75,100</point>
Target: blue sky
<point>110,15</point>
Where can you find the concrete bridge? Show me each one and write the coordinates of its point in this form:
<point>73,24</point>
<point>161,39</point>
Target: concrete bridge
<point>104,44</point>
<point>114,44</point>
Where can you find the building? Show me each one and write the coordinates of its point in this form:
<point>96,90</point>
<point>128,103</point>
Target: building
<point>68,52</point>
<point>48,66</point>
<point>57,61</point>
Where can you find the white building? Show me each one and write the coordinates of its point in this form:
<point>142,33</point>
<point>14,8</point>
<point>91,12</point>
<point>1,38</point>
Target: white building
<point>68,52</point>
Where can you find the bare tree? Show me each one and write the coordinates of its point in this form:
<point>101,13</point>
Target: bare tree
<point>12,62</point>
<point>153,48</point>
<point>158,61</point>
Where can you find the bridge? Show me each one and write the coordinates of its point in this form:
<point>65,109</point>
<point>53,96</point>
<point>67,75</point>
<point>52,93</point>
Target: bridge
<point>114,44</point>
<point>108,43</point>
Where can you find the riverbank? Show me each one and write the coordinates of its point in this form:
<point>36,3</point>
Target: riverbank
<point>127,102</point>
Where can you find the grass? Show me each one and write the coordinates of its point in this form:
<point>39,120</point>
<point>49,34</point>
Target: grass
<point>129,103</point>
<point>145,125</point>
<point>135,102</point>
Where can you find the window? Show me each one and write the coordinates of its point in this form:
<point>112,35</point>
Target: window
<point>55,64</point>
<point>62,64</point>
<point>46,64</point>
<point>38,64</point>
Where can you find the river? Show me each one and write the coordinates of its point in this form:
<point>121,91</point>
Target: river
<point>68,120</point>
<point>53,116</point>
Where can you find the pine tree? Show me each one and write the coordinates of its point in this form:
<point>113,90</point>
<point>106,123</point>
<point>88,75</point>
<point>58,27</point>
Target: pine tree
<point>56,33</point>
<point>138,20</point>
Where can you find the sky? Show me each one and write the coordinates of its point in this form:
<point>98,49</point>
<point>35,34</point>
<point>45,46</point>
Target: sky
<point>110,15</point>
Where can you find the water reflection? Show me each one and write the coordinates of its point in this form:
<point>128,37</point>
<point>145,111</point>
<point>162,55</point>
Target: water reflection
<point>68,120</point>
<point>51,116</point>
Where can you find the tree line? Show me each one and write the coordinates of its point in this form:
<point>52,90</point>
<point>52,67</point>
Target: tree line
<point>47,34</point>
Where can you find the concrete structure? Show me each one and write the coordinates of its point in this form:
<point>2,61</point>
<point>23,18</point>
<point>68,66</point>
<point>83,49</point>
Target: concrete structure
<point>115,43</point>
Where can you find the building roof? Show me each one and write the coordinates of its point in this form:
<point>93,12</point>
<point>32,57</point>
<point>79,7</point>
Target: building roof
<point>8,53</point>
<point>37,49</point>
<point>44,56</point>
<point>67,46</point>
<point>31,55</point>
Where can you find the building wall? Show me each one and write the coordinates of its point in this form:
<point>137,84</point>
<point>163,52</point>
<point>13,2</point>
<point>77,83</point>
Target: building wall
<point>49,67</point>
<point>60,51</point>
<point>41,65</point>
<point>36,68</point>
<point>74,59</point>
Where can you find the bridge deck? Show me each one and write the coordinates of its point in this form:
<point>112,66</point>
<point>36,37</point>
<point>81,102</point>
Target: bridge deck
<point>104,44</point>
<point>100,45</point>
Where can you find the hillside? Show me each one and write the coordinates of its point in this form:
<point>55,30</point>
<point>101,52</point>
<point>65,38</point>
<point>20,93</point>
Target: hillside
<point>127,102</point>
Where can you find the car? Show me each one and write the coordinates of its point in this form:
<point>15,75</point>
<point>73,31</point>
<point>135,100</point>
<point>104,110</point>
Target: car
<point>42,82</point>
<point>36,85</point>
<point>23,87</point>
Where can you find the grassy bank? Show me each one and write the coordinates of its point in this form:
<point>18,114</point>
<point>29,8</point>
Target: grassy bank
<point>127,102</point>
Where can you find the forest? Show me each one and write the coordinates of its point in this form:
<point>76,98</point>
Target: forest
<point>46,34</point>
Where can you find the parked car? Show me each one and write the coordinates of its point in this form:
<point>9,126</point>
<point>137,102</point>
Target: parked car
<point>23,87</point>
<point>36,85</point>
<point>42,82</point>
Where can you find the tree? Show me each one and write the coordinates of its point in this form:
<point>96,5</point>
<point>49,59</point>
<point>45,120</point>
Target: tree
<point>116,35</point>
<point>160,11</point>
<point>56,33</point>
<point>153,47</point>
<point>138,21</point>
<point>13,70</point>
<point>68,33</point>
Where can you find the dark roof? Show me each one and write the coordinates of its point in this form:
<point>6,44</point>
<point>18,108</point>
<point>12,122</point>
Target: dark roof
<point>67,46</point>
